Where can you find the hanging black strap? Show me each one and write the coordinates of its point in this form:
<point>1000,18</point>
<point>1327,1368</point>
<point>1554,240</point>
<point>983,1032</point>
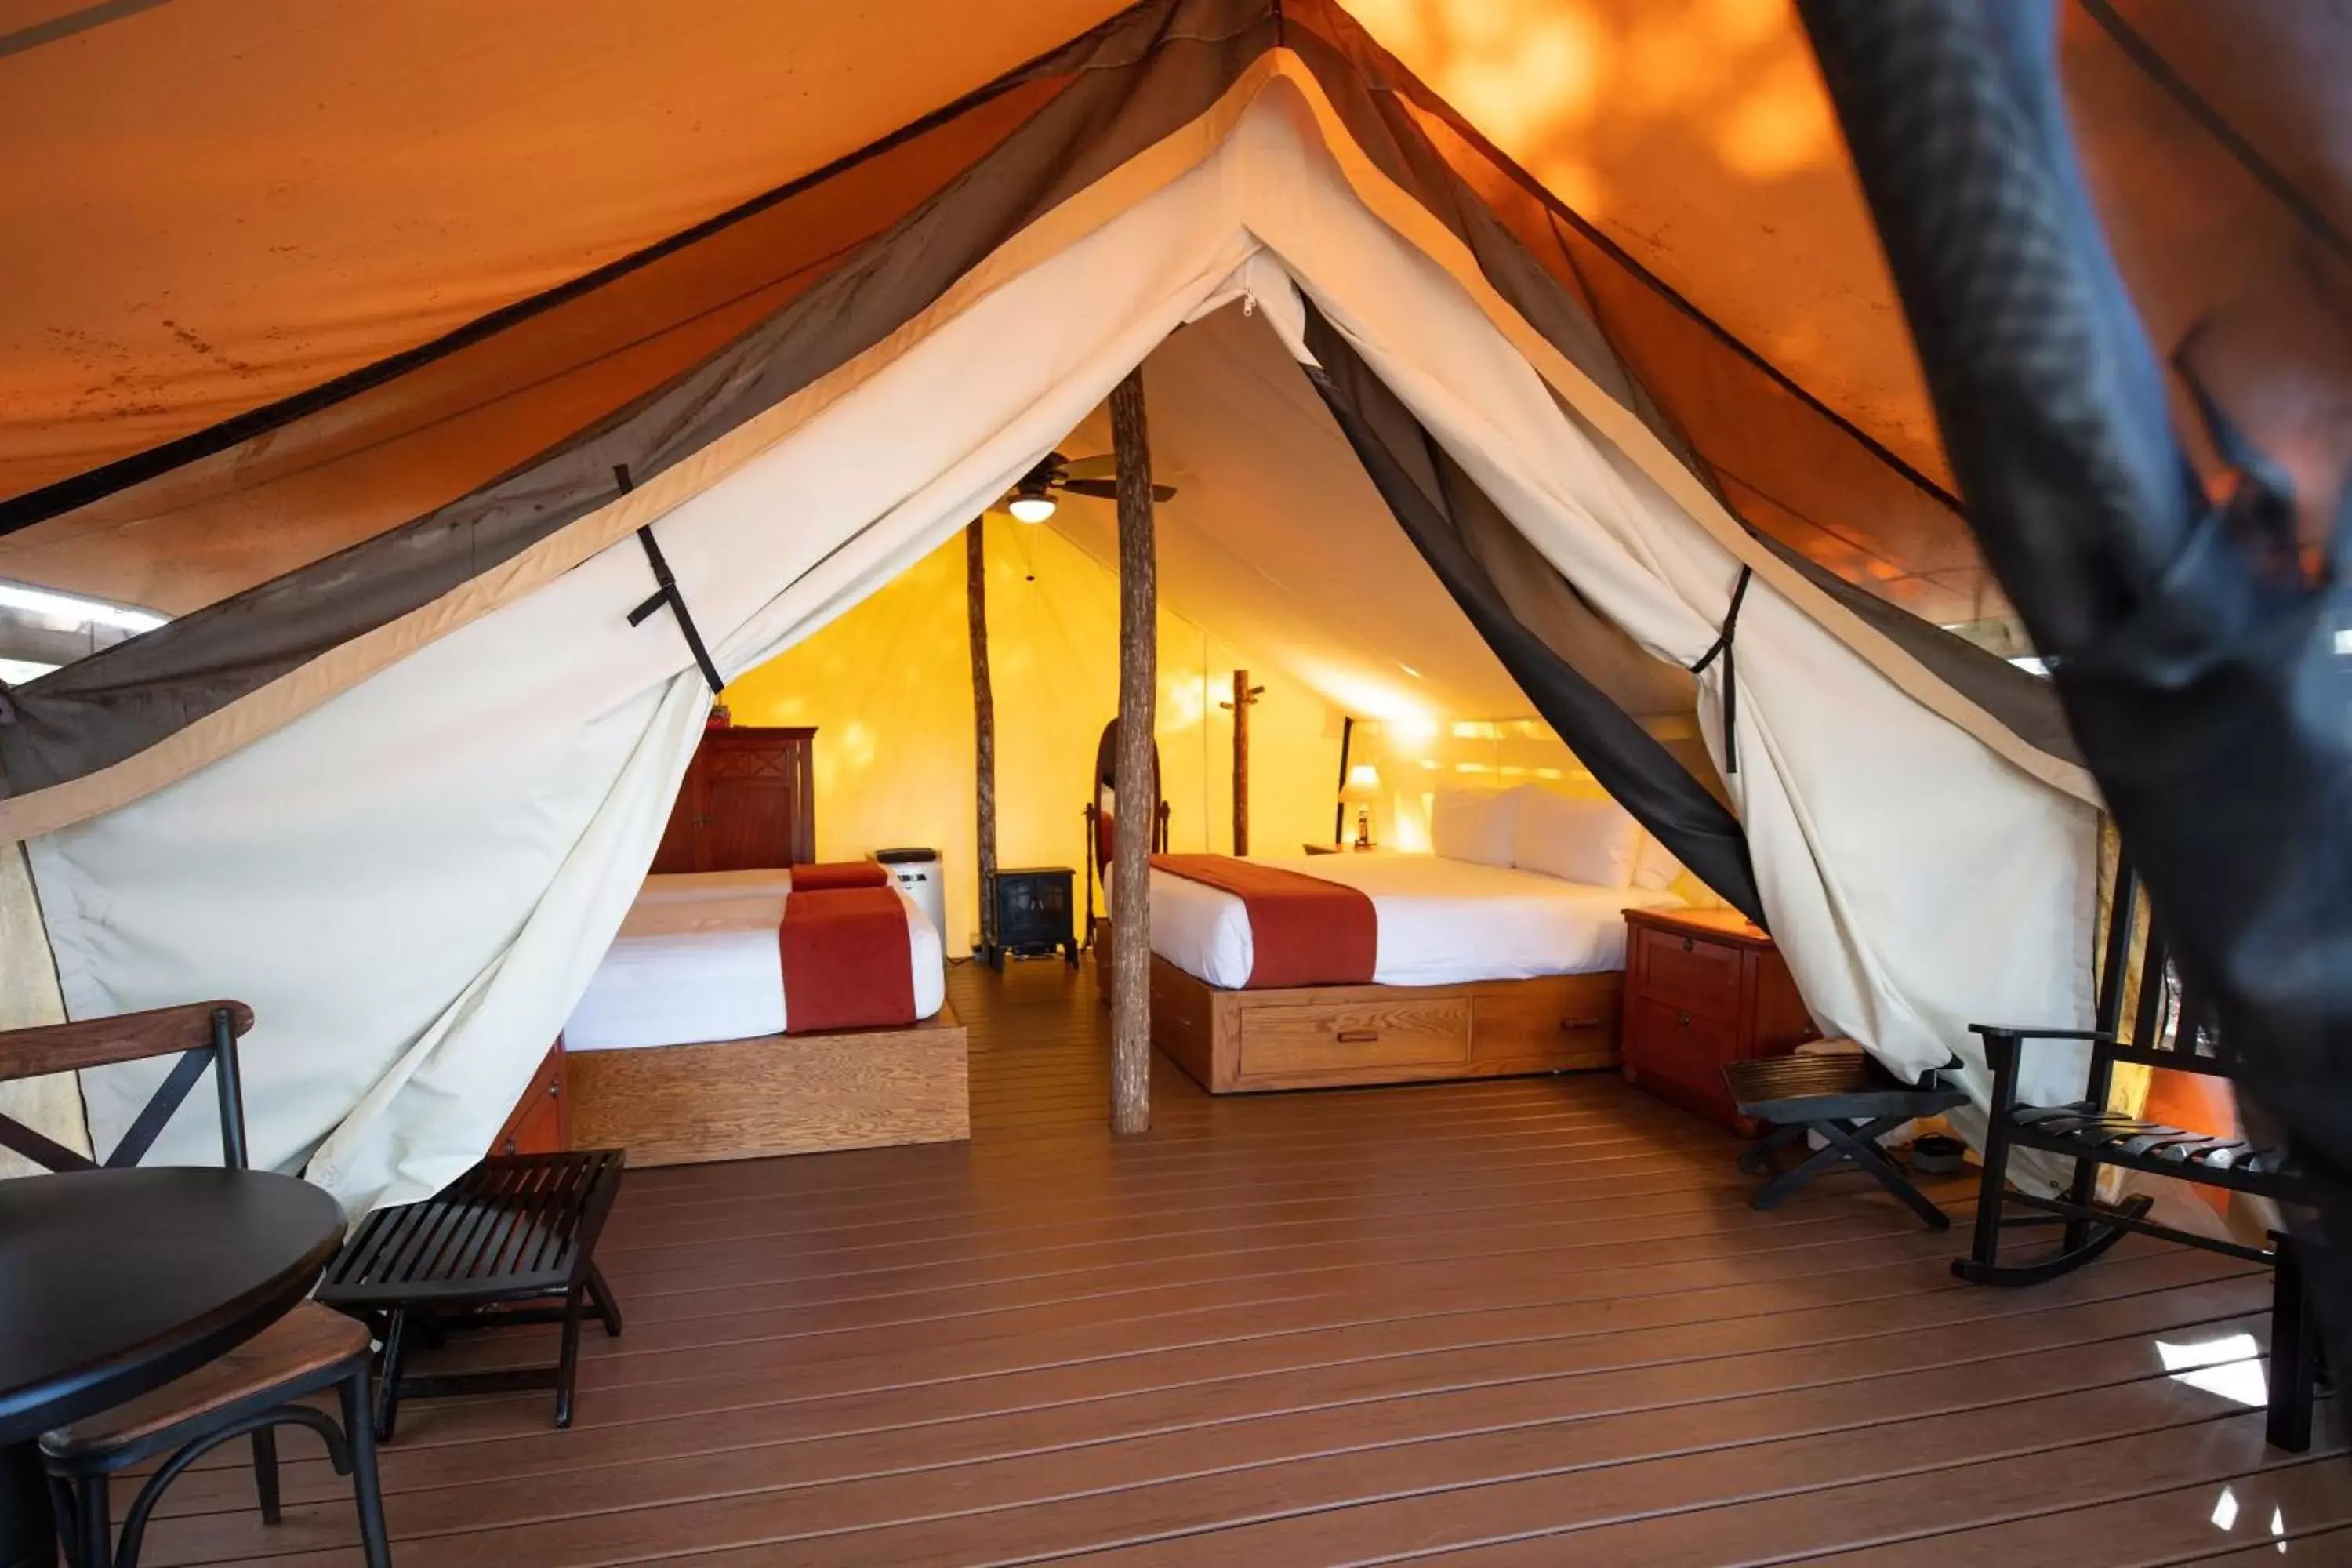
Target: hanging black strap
<point>667,593</point>
<point>1722,644</point>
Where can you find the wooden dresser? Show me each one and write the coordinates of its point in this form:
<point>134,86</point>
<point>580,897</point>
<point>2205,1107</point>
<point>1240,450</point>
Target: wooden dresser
<point>1703,988</point>
<point>748,803</point>
<point>541,1123</point>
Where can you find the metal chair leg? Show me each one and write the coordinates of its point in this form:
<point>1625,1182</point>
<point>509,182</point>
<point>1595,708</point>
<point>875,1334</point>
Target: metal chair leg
<point>94,1520</point>
<point>387,1394</point>
<point>2293,1351</point>
<point>67,1515</point>
<point>366,1491</point>
<point>567,1365</point>
<point>265,1472</point>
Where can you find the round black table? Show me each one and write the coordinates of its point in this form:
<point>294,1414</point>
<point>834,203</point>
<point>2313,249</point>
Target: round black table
<point>115,1283</point>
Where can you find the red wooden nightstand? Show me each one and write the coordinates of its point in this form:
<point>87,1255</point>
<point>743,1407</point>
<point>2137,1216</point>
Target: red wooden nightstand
<point>1704,988</point>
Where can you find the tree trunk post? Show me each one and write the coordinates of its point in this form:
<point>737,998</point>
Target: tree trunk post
<point>1139,675</point>
<point>983,728</point>
<point>1245,694</point>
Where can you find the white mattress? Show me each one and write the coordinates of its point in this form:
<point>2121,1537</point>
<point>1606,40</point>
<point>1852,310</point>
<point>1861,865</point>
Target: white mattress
<point>1441,921</point>
<point>695,963</point>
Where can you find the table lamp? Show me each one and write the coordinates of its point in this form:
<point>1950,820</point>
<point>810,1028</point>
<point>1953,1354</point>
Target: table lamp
<point>1362,791</point>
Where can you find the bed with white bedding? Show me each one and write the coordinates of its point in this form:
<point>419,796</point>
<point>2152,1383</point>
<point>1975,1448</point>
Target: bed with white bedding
<point>1442,922</point>
<point>1503,952</point>
<point>696,959</point>
<point>680,1050</point>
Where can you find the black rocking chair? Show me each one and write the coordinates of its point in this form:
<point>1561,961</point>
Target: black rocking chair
<point>2169,1030</point>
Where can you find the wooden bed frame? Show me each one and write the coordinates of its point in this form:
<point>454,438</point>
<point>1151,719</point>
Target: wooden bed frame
<point>748,803</point>
<point>1322,1036</point>
<point>776,1094</point>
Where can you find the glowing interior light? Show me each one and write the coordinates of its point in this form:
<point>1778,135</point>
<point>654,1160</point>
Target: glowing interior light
<point>2225,1509</point>
<point>1031,509</point>
<point>2226,1366</point>
<point>1413,728</point>
<point>75,610</point>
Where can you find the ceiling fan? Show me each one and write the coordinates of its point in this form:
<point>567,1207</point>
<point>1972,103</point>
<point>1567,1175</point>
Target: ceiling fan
<point>1031,500</point>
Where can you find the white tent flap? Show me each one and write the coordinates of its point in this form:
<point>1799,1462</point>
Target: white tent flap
<point>412,882</point>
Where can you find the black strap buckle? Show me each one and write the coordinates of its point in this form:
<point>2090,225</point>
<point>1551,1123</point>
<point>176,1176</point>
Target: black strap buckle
<point>668,593</point>
<point>1722,644</point>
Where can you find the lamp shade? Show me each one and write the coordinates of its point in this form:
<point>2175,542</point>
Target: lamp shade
<point>1363,785</point>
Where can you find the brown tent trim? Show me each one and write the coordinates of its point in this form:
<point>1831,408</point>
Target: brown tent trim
<point>93,485</point>
<point>2214,123</point>
<point>162,723</point>
<point>99,712</point>
<point>56,29</point>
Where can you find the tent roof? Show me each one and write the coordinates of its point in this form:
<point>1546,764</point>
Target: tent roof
<point>214,210</point>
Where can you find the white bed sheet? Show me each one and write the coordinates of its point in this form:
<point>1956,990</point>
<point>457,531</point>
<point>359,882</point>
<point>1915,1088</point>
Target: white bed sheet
<point>681,887</point>
<point>695,964</point>
<point>1442,923</point>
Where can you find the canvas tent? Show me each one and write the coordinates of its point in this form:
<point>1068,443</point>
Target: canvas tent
<point>398,794</point>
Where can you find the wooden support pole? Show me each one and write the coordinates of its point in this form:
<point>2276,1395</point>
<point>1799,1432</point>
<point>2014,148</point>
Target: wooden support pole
<point>1131,833</point>
<point>1244,695</point>
<point>1339,808</point>
<point>983,727</point>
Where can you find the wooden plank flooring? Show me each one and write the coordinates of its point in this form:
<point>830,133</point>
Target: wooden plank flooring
<point>1500,1322</point>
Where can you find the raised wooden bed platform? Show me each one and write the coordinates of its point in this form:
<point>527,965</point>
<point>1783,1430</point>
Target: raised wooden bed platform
<point>776,1094</point>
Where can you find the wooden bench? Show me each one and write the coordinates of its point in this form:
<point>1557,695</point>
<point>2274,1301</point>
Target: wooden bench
<point>1850,1100</point>
<point>510,1241</point>
<point>2170,1031</point>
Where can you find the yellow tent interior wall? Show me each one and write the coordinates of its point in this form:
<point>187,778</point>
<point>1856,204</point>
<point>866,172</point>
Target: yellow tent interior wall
<point>888,687</point>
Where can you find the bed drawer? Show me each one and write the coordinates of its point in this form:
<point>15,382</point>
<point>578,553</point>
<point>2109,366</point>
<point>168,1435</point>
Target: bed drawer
<point>1692,973</point>
<point>1302,1040</point>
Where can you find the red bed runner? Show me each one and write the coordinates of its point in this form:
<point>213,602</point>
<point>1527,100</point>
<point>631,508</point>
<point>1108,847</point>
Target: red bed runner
<point>848,963</point>
<point>1304,931</point>
<point>828,876</point>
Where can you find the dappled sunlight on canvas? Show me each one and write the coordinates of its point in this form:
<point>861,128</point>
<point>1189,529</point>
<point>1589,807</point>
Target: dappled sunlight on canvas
<point>1779,125</point>
<point>1698,135</point>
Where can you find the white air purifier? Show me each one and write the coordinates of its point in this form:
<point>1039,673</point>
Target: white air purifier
<point>918,876</point>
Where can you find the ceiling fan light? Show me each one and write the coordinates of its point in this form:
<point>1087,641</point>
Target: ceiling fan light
<point>1031,509</point>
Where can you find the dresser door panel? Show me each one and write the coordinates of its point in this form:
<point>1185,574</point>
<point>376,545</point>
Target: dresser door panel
<point>746,803</point>
<point>1675,1043</point>
<point>752,799</point>
<point>1693,974</point>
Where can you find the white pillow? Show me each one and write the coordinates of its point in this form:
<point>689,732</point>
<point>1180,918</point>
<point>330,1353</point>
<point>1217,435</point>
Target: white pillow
<point>1588,841</point>
<point>1474,824</point>
<point>1654,866</point>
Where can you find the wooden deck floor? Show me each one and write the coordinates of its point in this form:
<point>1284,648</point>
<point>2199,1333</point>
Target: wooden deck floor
<point>1524,1322</point>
